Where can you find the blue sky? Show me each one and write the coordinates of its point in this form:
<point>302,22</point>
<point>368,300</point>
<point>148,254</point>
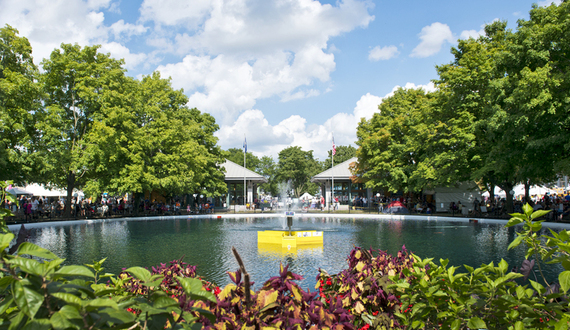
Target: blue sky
<point>284,73</point>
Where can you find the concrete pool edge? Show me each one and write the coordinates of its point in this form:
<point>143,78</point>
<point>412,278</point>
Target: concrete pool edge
<point>16,227</point>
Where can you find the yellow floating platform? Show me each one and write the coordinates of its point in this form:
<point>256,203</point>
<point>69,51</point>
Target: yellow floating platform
<point>297,238</point>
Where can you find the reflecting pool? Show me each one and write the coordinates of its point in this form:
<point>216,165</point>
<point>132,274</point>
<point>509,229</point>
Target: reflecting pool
<point>206,242</point>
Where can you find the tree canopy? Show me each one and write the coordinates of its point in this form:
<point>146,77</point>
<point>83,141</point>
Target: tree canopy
<point>499,115</point>
<point>297,167</point>
<point>20,97</point>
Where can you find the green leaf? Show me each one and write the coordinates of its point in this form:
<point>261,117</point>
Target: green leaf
<point>476,323</point>
<point>527,209</point>
<point>516,242</point>
<point>29,266</point>
<point>139,273</point>
<point>36,251</point>
<point>6,303</point>
<point>164,301</point>
<point>519,325</point>
<point>74,270</point>
<point>514,222</point>
<point>59,321</point>
<point>28,300</point>
<point>101,302</point>
<point>37,324</point>
<point>539,213</point>
<point>117,316</point>
<point>67,317</point>
<point>68,298</point>
<point>503,266</point>
<point>456,324</point>
<point>562,324</point>
<point>5,240</point>
<point>537,286</point>
<point>564,279</point>
<point>536,226</point>
<point>193,288</point>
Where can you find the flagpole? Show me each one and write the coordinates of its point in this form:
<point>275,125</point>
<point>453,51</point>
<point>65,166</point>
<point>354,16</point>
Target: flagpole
<point>244,184</point>
<point>332,174</point>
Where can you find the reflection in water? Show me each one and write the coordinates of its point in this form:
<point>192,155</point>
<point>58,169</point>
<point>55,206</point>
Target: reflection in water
<point>207,244</point>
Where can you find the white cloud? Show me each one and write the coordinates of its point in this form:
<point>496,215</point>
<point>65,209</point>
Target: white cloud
<point>261,27</point>
<point>385,53</point>
<point>47,24</point>
<point>175,12</point>
<point>226,85</point>
<point>121,30</point>
<point>432,39</point>
<point>119,51</point>
<point>548,2</point>
<point>266,139</point>
<point>245,51</point>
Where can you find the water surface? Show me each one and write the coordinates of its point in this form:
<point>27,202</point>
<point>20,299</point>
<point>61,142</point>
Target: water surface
<point>207,242</point>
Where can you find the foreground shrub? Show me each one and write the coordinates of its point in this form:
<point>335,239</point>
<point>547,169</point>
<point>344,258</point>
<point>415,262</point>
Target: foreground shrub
<point>490,297</point>
<point>364,286</point>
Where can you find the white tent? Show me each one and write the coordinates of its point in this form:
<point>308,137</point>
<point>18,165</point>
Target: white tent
<point>40,190</point>
<point>533,190</point>
<point>519,191</point>
<point>498,192</point>
<point>306,196</point>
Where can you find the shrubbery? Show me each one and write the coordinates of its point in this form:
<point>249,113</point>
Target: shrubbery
<point>376,291</point>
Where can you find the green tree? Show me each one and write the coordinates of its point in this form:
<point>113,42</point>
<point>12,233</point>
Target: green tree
<point>297,167</point>
<point>395,143</point>
<point>343,153</point>
<point>80,84</point>
<point>268,169</point>
<point>158,144</point>
<point>20,96</point>
<point>497,106</point>
<point>251,161</point>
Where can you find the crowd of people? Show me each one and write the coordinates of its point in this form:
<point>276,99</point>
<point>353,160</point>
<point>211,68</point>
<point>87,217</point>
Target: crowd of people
<point>35,208</point>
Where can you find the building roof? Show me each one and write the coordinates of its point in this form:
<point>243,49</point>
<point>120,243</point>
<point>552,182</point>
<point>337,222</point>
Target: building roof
<point>236,173</point>
<point>339,172</point>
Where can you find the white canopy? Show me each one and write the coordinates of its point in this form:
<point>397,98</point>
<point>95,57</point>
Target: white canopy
<point>519,190</point>
<point>40,190</point>
<point>306,196</point>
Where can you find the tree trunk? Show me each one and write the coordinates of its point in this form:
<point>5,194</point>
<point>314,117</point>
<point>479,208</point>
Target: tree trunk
<point>526,191</point>
<point>70,186</point>
<point>507,187</point>
<point>137,202</point>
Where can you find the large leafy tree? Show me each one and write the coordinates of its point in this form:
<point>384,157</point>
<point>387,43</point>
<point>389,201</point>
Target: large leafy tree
<point>81,84</point>
<point>19,103</point>
<point>502,106</point>
<point>297,167</point>
<point>536,83</point>
<point>157,144</point>
<point>394,143</point>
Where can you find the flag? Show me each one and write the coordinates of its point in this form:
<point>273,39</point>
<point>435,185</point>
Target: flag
<point>334,147</point>
<point>245,145</point>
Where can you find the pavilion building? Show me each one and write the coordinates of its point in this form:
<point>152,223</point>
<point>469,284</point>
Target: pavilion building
<point>344,188</point>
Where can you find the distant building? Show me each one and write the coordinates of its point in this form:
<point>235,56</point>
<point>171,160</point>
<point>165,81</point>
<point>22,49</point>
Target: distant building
<point>235,177</point>
<point>344,188</point>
